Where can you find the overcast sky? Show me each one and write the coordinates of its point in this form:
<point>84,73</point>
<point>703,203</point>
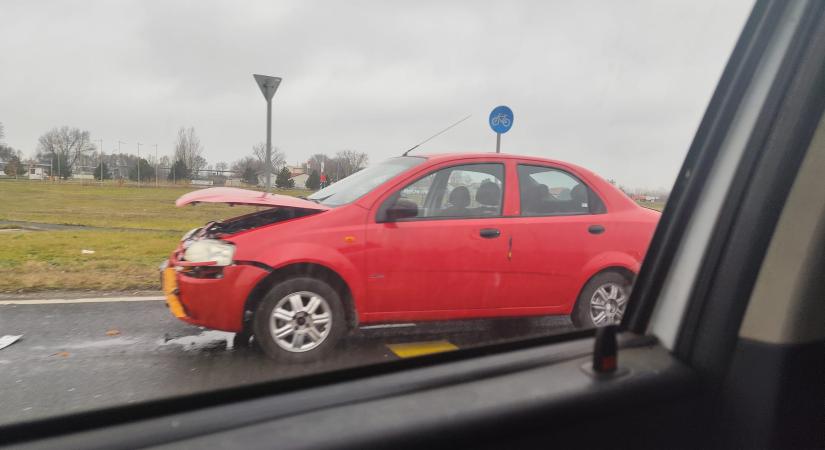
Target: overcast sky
<point>618,87</point>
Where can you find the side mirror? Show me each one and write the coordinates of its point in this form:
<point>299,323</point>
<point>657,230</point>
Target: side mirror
<point>402,209</point>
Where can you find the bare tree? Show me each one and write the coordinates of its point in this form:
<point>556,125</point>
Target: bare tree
<point>2,132</point>
<point>320,163</point>
<point>64,146</point>
<point>349,162</point>
<point>221,166</point>
<point>7,152</point>
<point>248,168</point>
<point>14,162</point>
<point>188,149</point>
<point>278,157</point>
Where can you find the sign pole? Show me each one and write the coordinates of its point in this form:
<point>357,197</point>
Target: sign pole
<point>501,119</point>
<point>268,87</point>
<point>269,144</point>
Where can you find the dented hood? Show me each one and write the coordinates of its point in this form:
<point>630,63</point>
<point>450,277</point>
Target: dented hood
<point>235,196</point>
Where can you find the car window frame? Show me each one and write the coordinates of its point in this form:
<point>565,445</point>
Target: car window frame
<point>393,197</point>
<point>590,191</point>
<point>120,427</point>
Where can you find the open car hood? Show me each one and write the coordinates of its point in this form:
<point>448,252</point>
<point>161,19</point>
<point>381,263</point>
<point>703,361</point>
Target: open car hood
<point>236,196</point>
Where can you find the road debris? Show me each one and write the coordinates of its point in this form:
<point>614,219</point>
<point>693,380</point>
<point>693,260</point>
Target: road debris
<point>206,340</point>
<point>112,332</point>
<point>87,252</point>
<point>61,354</point>
<point>8,339</point>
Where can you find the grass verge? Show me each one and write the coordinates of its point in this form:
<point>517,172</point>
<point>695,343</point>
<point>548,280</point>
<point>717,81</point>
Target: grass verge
<point>110,205</point>
<point>53,260</point>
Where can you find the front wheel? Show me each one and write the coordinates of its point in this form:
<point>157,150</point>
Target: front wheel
<point>602,302</point>
<point>299,320</point>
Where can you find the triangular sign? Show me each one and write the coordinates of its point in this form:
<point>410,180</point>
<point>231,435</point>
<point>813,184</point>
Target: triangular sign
<point>268,85</point>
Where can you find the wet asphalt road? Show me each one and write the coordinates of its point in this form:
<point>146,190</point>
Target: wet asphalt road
<point>67,362</point>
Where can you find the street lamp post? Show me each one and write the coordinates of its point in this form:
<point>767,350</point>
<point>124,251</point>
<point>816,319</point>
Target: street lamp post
<point>101,160</point>
<point>138,163</point>
<point>120,153</point>
<point>268,87</point>
<point>157,162</point>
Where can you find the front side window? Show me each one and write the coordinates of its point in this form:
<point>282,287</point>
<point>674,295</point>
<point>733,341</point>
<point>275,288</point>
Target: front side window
<point>468,191</point>
<point>547,191</point>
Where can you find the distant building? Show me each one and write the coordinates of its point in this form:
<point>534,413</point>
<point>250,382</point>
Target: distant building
<point>294,171</point>
<point>37,173</point>
<point>300,181</point>
<point>218,180</point>
<point>645,198</point>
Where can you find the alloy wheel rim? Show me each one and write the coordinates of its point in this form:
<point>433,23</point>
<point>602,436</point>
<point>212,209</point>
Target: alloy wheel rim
<point>300,321</point>
<point>607,305</point>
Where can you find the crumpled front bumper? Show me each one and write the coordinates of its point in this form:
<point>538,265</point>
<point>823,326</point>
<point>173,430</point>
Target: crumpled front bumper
<point>212,302</point>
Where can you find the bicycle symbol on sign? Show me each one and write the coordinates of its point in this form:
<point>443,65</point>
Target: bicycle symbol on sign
<point>501,119</point>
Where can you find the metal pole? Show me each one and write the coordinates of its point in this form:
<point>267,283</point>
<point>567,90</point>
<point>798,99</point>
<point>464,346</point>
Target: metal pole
<point>138,164</point>
<point>498,142</point>
<point>101,160</point>
<point>157,162</point>
<point>119,153</point>
<point>269,145</point>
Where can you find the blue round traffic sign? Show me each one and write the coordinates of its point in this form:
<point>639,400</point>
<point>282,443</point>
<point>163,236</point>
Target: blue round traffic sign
<point>501,119</point>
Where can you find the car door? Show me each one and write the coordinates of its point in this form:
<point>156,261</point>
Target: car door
<point>559,229</point>
<point>442,263</point>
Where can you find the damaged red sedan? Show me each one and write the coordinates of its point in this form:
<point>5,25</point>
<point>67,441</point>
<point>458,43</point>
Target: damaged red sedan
<point>414,238</point>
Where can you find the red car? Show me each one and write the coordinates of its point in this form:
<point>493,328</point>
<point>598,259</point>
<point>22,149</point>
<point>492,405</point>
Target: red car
<point>414,238</point>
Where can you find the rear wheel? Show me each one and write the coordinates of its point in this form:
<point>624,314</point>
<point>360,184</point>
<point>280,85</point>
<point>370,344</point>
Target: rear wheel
<point>602,302</point>
<point>300,320</point>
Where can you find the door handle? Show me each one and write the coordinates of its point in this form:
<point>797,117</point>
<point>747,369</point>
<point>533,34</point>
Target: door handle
<point>489,233</point>
<point>595,229</point>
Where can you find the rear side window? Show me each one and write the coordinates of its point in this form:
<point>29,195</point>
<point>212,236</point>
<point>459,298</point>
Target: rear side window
<point>547,191</point>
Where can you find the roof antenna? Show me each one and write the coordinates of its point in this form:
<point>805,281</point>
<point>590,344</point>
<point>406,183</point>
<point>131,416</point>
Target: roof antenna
<point>435,135</point>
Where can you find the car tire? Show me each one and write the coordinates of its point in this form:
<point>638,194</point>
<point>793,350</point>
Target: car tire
<point>299,320</point>
<point>602,301</point>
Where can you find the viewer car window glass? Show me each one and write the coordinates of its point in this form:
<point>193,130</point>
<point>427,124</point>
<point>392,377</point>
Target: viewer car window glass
<point>613,106</point>
<point>549,191</point>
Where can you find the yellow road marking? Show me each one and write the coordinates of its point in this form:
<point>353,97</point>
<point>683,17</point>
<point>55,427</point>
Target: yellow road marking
<point>410,349</point>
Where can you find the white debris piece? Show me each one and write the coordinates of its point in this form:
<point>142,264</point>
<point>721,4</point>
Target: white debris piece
<point>87,252</point>
<point>8,339</point>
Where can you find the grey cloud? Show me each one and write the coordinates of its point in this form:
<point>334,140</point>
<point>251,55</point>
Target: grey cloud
<point>618,87</point>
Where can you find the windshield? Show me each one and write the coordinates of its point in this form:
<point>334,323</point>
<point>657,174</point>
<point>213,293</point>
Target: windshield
<point>356,185</point>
